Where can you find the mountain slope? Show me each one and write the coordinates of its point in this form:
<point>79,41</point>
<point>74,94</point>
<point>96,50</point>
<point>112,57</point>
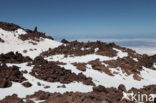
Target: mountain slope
<point>19,40</point>
<point>34,68</point>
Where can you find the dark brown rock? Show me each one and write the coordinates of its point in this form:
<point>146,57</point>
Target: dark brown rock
<point>12,99</point>
<point>13,58</point>
<point>51,72</point>
<point>9,26</point>
<point>80,66</point>
<point>27,84</point>
<point>64,41</point>
<point>34,35</point>
<point>121,87</point>
<point>100,89</point>
<point>75,48</point>
<point>9,74</point>
<point>1,40</point>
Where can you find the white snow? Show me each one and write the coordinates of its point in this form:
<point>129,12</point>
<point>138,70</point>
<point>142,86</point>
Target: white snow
<point>135,59</point>
<point>84,48</point>
<point>154,65</point>
<point>37,101</point>
<point>20,31</point>
<point>96,49</point>
<point>13,43</point>
<point>120,53</point>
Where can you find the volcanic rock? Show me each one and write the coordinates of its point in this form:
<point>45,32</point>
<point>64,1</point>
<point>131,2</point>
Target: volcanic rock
<point>51,72</point>
<point>13,58</point>
<point>27,84</point>
<point>9,74</point>
<point>1,40</point>
<point>12,99</point>
<point>64,41</point>
<point>34,35</point>
<point>80,48</point>
<point>9,26</point>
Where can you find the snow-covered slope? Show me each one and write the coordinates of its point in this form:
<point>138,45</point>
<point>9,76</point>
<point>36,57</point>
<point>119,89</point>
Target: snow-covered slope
<point>75,72</point>
<point>30,48</point>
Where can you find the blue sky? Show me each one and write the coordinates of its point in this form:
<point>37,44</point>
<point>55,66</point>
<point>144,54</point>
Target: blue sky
<point>84,18</point>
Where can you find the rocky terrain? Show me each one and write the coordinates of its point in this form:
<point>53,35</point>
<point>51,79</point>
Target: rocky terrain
<point>34,68</point>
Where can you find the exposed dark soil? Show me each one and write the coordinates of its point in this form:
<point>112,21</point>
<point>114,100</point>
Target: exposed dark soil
<point>12,57</point>
<point>9,74</point>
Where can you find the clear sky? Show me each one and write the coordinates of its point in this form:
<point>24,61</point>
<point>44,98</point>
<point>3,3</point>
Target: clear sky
<point>84,18</point>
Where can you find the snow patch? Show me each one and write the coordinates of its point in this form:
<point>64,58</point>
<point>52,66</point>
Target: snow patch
<point>13,43</point>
